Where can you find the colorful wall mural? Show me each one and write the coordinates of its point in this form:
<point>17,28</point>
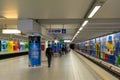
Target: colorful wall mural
<point>3,45</point>
<point>97,44</point>
<point>106,48</point>
<point>92,47</point>
<point>10,46</point>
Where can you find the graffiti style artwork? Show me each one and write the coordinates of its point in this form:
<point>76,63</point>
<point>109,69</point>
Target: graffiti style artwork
<point>92,47</point>
<point>106,48</point>
<point>117,48</point>
<point>97,44</point>
<point>110,45</point>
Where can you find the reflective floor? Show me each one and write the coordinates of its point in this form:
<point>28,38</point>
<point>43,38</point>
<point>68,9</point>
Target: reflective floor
<point>67,67</point>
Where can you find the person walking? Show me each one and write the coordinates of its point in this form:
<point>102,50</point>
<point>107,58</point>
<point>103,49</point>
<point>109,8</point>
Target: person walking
<point>49,55</point>
<point>63,50</point>
<point>60,52</point>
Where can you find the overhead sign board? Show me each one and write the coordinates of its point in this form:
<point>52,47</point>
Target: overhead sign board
<point>63,31</point>
<point>56,31</point>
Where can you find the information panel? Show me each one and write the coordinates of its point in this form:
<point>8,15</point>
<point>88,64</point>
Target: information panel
<point>56,31</point>
<point>34,51</point>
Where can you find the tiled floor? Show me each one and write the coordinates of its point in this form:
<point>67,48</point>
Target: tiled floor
<point>67,67</point>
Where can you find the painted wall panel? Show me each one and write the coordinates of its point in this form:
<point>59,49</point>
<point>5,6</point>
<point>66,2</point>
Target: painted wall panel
<point>106,48</point>
<point>4,45</point>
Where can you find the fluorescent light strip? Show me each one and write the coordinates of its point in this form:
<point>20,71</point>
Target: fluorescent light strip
<point>84,23</point>
<point>78,32</point>
<point>74,36</point>
<point>94,11</point>
<point>67,40</point>
<point>11,31</point>
<point>80,28</point>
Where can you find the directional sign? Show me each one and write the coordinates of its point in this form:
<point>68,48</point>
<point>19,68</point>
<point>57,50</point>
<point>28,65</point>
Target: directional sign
<point>63,31</point>
<point>61,41</point>
<point>56,31</point>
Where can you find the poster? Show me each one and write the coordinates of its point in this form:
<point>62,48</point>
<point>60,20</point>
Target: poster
<point>110,45</point>
<point>15,46</point>
<point>34,51</point>
<point>4,45</point>
<point>87,47</point>
<point>10,46</point>
<point>83,46</point>
<point>117,48</point>
<point>22,46</point>
<point>104,48</point>
<point>26,45</point>
<point>107,48</point>
<point>97,44</point>
<point>92,47</point>
<point>111,48</point>
<point>52,46</point>
<point>42,47</point>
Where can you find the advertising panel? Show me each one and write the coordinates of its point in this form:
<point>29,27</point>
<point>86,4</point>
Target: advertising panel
<point>42,47</point>
<point>92,47</point>
<point>10,46</point>
<point>110,48</point>
<point>117,48</point>
<point>107,48</point>
<point>22,46</point>
<point>26,45</point>
<point>15,46</point>
<point>104,48</point>
<point>34,51</point>
<point>4,45</point>
<point>87,46</point>
<point>83,46</point>
<point>97,43</point>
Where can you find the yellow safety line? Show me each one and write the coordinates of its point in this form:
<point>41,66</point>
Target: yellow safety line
<point>97,71</point>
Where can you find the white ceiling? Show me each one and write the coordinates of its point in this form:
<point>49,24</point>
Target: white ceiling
<point>70,13</point>
<point>111,9</point>
<point>44,9</point>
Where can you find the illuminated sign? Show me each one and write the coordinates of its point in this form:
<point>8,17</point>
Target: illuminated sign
<point>56,31</point>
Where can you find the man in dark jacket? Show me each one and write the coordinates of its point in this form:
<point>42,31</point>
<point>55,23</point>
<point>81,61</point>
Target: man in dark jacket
<point>49,55</point>
<point>63,50</point>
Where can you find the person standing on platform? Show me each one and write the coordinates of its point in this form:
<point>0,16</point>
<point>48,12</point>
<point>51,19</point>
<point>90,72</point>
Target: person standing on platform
<point>49,55</point>
<point>63,50</point>
<point>60,52</point>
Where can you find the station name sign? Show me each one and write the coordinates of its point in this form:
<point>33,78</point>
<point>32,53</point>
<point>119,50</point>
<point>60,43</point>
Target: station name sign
<point>56,31</point>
